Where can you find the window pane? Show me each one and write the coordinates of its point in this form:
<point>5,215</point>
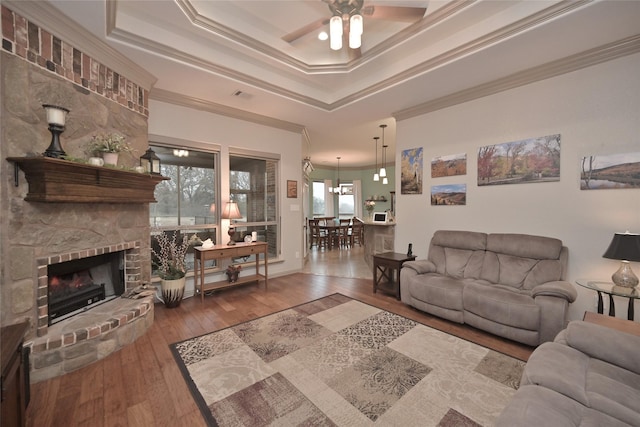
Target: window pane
<point>318,198</point>
<point>188,198</point>
<point>253,185</point>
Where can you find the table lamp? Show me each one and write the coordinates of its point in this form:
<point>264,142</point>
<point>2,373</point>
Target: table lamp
<point>231,211</point>
<point>624,247</point>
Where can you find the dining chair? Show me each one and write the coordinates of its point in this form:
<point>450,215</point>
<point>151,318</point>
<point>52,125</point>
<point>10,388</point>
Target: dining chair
<point>317,235</point>
<point>356,233</point>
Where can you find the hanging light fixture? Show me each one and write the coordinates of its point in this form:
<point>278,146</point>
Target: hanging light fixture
<point>345,11</point>
<point>336,189</point>
<point>383,170</point>
<point>335,32</point>
<point>376,176</point>
<point>385,180</point>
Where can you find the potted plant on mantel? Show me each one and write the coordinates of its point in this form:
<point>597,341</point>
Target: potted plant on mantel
<point>170,260</point>
<point>109,145</point>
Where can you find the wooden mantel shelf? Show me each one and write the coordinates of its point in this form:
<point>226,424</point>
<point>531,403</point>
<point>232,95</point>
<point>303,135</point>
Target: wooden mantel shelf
<point>56,180</point>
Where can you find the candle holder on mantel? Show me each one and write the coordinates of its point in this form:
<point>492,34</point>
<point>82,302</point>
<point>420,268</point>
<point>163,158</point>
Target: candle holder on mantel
<point>56,117</point>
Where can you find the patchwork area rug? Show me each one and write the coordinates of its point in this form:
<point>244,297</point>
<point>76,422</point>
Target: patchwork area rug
<point>340,362</point>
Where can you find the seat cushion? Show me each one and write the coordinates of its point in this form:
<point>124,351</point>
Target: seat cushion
<point>502,304</point>
<point>442,291</point>
<point>538,406</point>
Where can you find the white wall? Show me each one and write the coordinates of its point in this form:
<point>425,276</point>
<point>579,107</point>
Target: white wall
<point>195,125</point>
<point>596,111</point>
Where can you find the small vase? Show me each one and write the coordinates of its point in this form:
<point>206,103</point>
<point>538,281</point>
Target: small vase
<point>110,158</point>
<point>173,291</point>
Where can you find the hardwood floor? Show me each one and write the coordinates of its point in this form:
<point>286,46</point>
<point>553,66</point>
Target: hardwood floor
<point>141,385</point>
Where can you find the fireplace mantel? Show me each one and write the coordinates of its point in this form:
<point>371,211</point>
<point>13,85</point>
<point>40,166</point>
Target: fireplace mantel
<point>56,180</point>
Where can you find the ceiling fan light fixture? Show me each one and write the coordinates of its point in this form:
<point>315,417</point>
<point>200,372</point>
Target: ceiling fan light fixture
<point>355,40</point>
<point>335,32</point>
<point>356,25</point>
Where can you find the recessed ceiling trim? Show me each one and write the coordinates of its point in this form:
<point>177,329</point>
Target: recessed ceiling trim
<point>608,52</point>
<point>223,110</point>
<point>272,53</point>
<point>55,22</point>
<point>463,50</point>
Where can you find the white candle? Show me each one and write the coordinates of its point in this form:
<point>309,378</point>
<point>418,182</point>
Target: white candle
<point>55,116</point>
<point>254,236</point>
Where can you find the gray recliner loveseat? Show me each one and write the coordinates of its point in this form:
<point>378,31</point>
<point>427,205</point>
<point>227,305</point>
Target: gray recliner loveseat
<point>589,376</point>
<point>511,285</point>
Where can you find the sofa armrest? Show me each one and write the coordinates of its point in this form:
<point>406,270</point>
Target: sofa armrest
<point>421,266</point>
<point>606,344</point>
<point>558,288</point>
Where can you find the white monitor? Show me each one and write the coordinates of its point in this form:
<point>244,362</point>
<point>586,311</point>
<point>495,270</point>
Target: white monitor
<point>380,217</point>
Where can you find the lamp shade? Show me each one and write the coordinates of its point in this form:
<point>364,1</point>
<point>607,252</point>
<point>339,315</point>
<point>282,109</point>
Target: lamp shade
<point>231,211</point>
<point>624,246</point>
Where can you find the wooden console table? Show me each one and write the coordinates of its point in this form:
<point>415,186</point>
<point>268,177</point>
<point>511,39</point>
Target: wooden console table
<point>223,252</point>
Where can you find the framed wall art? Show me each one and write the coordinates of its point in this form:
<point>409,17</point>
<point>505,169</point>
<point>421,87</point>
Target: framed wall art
<point>292,189</point>
<point>449,195</point>
<point>411,171</point>
<point>455,164</point>
<point>518,162</point>
<point>612,171</point>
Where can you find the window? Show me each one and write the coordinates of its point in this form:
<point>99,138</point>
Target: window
<point>253,184</point>
<point>186,204</point>
<point>346,205</point>
<point>318,198</point>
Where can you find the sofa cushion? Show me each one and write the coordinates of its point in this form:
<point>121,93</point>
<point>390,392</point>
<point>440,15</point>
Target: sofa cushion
<point>524,245</point>
<point>502,304</point>
<point>593,383</point>
<point>622,350</point>
<point>538,406</point>
<point>442,291</point>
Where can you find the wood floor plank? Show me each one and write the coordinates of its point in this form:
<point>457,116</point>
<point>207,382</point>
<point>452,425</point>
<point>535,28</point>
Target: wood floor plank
<point>141,385</point>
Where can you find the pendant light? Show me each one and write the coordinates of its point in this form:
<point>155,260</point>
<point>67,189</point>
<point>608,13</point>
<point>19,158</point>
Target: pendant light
<point>383,170</point>
<point>336,189</point>
<point>376,176</point>
<point>385,180</point>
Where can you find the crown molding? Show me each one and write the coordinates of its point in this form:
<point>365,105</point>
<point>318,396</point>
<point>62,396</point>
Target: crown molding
<point>55,22</point>
<point>223,110</point>
<point>608,52</point>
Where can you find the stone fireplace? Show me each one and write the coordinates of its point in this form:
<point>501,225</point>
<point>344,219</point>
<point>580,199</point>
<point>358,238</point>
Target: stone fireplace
<point>39,68</point>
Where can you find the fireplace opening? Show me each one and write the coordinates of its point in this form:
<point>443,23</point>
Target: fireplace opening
<point>76,285</point>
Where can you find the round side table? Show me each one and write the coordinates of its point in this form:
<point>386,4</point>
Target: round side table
<point>612,290</point>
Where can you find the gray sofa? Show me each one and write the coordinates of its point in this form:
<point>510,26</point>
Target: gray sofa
<point>511,285</point>
<point>589,376</point>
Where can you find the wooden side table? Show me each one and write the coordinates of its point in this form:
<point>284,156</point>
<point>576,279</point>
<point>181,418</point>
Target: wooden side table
<point>618,324</point>
<point>385,264</point>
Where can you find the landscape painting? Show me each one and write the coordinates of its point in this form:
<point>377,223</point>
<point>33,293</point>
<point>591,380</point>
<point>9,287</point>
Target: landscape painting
<point>411,171</point>
<point>613,171</point>
<point>518,162</point>
<point>452,165</point>
<point>449,195</point>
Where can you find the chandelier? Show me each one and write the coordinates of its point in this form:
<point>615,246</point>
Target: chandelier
<point>346,14</point>
<point>336,189</point>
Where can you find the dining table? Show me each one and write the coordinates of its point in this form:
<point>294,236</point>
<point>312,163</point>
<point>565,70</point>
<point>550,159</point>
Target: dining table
<point>334,230</point>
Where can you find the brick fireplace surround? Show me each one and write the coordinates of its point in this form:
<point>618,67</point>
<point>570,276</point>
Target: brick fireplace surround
<point>87,337</point>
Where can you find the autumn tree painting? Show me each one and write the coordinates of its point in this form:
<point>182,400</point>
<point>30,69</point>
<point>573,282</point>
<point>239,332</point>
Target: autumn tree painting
<point>613,171</point>
<point>411,171</point>
<point>528,160</point>
<point>453,165</point>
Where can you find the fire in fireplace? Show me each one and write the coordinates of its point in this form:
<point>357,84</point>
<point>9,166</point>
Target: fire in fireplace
<point>76,284</point>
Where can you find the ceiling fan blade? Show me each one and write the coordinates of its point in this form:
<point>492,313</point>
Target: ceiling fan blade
<point>295,35</point>
<point>394,13</point>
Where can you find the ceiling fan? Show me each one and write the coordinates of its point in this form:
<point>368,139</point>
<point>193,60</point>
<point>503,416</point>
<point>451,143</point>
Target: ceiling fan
<point>346,19</point>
